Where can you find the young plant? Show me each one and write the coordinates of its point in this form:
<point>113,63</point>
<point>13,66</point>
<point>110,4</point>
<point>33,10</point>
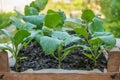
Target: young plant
<point>16,41</point>
<point>94,49</point>
<point>57,42</point>
<point>94,27</point>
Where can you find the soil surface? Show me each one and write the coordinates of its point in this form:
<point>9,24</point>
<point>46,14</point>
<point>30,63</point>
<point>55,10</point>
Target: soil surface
<point>36,59</point>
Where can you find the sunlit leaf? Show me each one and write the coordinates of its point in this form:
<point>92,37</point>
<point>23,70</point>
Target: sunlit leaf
<point>30,10</point>
<point>88,15</point>
<point>107,38</point>
<point>19,25</point>
<point>35,19</point>
<point>49,44</point>
<point>81,31</point>
<point>19,36</point>
<point>52,19</point>
<point>96,25</point>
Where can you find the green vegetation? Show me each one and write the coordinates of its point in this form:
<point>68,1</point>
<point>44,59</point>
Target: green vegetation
<point>16,41</point>
<point>4,19</point>
<point>49,31</point>
<point>111,10</point>
<point>94,29</point>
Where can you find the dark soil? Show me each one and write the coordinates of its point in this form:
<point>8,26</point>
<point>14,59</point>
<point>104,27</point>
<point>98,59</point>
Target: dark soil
<point>37,59</point>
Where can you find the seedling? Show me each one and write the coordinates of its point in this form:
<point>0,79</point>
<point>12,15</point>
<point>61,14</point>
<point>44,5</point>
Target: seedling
<point>16,41</point>
<point>94,36</point>
<point>56,42</point>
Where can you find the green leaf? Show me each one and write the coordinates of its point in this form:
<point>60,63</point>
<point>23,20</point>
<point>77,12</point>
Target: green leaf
<point>69,49</point>
<point>89,56</point>
<point>96,25</point>
<point>6,48</point>
<point>49,44</point>
<point>22,58</point>
<point>32,4</point>
<point>40,4</point>
<point>30,10</point>
<point>95,41</point>
<point>62,14</point>
<point>67,39</point>
<point>60,35</point>
<point>86,48</point>
<point>35,33</point>
<point>88,15</point>
<point>19,15</point>
<point>52,19</point>
<point>36,20</point>
<point>97,34</point>
<point>30,26</point>
<point>71,39</point>
<point>47,31</point>
<point>81,31</point>
<point>72,22</point>
<point>19,25</point>
<point>19,36</point>
<point>107,38</point>
<point>6,33</point>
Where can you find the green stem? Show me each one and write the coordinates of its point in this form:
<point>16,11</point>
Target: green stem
<point>54,56</point>
<point>59,56</point>
<point>16,64</point>
<point>59,65</point>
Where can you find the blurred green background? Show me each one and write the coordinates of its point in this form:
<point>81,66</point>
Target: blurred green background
<point>108,9</point>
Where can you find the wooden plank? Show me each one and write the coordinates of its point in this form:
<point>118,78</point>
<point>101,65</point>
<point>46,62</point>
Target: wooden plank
<point>114,61</point>
<point>69,76</point>
<point>4,66</point>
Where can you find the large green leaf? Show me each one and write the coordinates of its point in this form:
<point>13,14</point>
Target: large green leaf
<point>107,38</point>
<point>81,31</point>
<point>60,35</point>
<point>88,15</point>
<point>40,4</point>
<point>36,20</point>
<point>19,25</point>
<point>67,39</point>
<point>30,10</point>
<point>49,44</point>
<point>52,19</point>
<point>96,25</point>
<point>19,36</point>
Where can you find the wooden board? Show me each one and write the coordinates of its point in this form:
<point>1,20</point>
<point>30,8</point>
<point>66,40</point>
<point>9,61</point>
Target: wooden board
<point>69,76</point>
<point>4,66</point>
<point>114,61</point>
<point>113,72</point>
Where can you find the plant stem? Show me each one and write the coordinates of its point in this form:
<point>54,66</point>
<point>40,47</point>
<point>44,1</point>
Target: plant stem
<point>59,56</point>
<point>59,65</point>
